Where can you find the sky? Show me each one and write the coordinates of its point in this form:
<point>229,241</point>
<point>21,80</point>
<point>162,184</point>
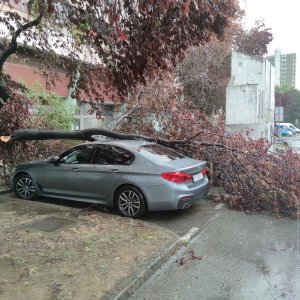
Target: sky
<point>283,17</point>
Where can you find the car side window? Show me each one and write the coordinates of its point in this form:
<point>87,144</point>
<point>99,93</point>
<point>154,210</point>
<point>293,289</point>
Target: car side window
<point>80,155</point>
<point>112,155</point>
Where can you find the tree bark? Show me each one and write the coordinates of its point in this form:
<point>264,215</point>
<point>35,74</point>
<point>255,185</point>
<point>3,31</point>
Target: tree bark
<point>85,135</point>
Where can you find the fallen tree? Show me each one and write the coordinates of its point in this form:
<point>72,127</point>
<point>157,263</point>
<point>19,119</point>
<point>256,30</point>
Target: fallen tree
<point>253,179</point>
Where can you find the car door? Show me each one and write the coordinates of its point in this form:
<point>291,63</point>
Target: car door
<point>99,178</point>
<point>63,176</point>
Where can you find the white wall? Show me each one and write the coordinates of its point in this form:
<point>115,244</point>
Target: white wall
<point>250,100</point>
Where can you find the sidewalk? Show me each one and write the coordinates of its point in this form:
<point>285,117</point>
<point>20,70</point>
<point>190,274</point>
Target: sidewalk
<point>50,251</point>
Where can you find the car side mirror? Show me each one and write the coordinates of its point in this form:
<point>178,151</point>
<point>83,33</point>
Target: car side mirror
<point>54,159</point>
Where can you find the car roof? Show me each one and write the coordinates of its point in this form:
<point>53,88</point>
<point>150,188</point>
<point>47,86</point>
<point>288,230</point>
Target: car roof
<point>122,143</point>
<point>285,124</point>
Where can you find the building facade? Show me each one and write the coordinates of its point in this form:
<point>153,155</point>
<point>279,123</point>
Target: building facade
<point>250,100</point>
<point>285,68</point>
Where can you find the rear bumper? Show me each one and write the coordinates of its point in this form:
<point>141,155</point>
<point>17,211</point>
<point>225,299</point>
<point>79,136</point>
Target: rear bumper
<point>176,196</point>
<point>186,202</point>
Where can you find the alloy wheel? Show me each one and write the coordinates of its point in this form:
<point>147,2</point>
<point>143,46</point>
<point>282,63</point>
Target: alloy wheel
<point>25,188</point>
<point>129,203</point>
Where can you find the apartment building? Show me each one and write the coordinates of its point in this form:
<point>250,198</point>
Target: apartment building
<point>285,68</point>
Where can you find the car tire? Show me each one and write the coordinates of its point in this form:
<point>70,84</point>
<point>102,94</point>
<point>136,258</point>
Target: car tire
<point>130,202</point>
<point>24,187</point>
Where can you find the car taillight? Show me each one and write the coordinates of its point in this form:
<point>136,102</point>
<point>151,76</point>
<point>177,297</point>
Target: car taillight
<point>203,171</point>
<point>177,176</point>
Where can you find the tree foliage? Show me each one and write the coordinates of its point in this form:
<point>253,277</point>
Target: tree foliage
<point>49,110</point>
<point>253,178</point>
<point>253,42</point>
<point>289,98</point>
<point>205,71</point>
<point>292,109</point>
<point>116,45</point>
<point>28,109</point>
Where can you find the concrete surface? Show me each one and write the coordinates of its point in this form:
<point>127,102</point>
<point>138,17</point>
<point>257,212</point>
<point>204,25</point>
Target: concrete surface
<point>117,273</point>
<point>294,142</point>
<point>243,257</point>
<point>180,222</point>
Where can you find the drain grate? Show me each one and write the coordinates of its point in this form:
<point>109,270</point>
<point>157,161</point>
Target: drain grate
<point>50,224</point>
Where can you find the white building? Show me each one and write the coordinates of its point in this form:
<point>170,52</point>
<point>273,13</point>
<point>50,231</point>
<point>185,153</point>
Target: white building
<point>250,100</point>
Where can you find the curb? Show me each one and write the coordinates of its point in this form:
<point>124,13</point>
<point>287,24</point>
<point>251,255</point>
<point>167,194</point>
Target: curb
<point>153,267</point>
<point>161,260</point>
<point>149,271</point>
<point>4,190</point>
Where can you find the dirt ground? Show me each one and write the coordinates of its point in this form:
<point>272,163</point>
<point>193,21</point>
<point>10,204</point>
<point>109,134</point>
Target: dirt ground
<point>83,260</point>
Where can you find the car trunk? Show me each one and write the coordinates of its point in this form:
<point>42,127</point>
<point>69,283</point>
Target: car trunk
<point>187,165</point>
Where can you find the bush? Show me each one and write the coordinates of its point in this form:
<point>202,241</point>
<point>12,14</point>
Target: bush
<point>49,110</point>
<point>31,109</point>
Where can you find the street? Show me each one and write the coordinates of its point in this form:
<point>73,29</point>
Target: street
<point>294,142</point>
<point>243,257</point>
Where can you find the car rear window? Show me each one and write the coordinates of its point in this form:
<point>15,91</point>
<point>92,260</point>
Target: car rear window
<point>161,151</point>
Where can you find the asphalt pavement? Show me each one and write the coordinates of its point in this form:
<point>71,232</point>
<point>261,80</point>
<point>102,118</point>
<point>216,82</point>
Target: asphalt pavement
<point>181,221</point>
<point>243,256</point>
<point>294,142</point>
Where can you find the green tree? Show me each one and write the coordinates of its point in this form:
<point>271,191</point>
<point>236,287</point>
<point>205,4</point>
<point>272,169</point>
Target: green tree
<point>292,108</point>
<point>289,98</point>
<point>49,110</point>
<point>283,89</point>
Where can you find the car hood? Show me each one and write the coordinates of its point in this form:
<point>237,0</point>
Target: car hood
<point>34,162</point>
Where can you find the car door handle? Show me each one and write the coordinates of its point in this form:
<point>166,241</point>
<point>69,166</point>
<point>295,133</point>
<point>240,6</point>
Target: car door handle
<point>75,170</point>
<point>114,171</point>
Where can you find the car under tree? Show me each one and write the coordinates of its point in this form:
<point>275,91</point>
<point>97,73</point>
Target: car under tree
<point>134,176</point>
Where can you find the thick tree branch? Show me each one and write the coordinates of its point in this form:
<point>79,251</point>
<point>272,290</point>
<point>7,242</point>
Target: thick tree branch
<point>84,135</point>
<point>88,135</point>
<point>12,48</point>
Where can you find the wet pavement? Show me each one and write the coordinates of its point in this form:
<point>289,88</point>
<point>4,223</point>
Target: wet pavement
<point>294,142</point>
<point>243,257</point>
<point>181,221</point>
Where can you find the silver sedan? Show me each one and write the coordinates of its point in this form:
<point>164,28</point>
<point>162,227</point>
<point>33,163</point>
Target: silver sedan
<point>132,176</point>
